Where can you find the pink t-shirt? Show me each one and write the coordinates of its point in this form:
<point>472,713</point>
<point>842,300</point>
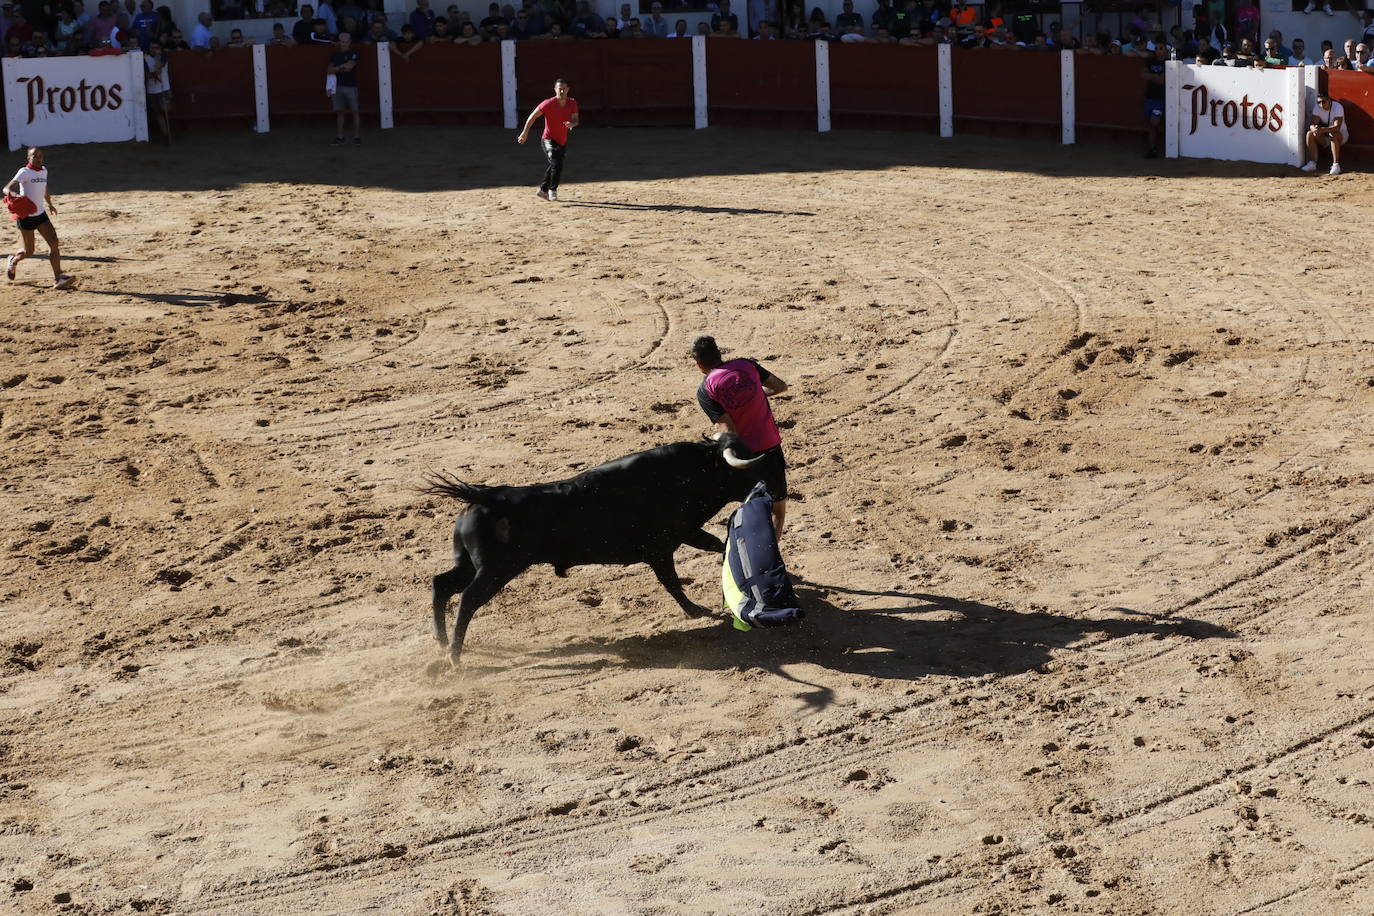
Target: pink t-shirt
<point>554,116</point>
<point>737,388</point>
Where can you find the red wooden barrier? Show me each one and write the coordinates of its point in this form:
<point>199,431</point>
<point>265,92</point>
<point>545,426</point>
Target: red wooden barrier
<point>883,87</point>
<point>448,84</point>
<point>295,85</point>
<point>616,83</point>
<point>213,88</point>
<point>1355,92</point>
<point>1109,95</point>
<point>1001,89</point>
<point>761,83</point>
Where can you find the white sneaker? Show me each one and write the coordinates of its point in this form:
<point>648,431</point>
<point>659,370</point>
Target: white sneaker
<point>1310,7</point>
<point>1335,168</point>
<point>1309,167</point>
<point>553,194</point>
<point>1326,8</point>
<point>64,282</point>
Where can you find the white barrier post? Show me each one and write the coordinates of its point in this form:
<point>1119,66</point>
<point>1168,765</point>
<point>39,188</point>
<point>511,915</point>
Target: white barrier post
<point>512,117</point>
<point>822,86</point>
<point>1296,95</point>
<point>1068,113</point>
<point>384,84</point>
<point>260,88</point>
<point>699,81</point>
<point>1173,106</point>
<point>946,75</point>
<point>137,72</point>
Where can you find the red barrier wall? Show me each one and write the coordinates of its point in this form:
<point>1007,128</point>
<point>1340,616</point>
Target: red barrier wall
<point>295,85</point>
<point>999,90</point>
<point>1110,96</point>
<point>1355,92</point>
<point>761,83</point>
<point>884,87</point>
<point>213,88</point>
<point>616,83</point>
<point>448,84</point>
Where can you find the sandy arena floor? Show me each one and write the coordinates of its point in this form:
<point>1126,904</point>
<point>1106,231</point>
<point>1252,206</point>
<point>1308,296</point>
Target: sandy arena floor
<point>1082,453</point>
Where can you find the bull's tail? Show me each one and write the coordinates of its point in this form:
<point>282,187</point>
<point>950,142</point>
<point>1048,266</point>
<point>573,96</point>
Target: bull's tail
<point>438,483</point>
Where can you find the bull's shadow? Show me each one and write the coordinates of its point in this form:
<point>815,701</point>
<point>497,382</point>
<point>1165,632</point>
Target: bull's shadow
<point>920,634</point>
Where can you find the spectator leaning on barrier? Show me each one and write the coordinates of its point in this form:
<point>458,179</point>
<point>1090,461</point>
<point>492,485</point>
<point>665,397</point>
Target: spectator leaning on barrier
<point>1327,128</point>
<point>343,66</point>
<point>1273,55</point>
<point>1299,56</point>
<point>279,37</point>
<point>67,40</point>
<point>379,32</point>
<point>407,46</point>
<point>440,33</point>
<point>236,39</point>
<point>680,30</point>
<point>522,29</point>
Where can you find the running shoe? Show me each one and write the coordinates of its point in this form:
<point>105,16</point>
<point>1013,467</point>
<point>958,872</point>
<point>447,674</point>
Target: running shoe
<point>357,141</point>
<point>338,141</point>
<point>9,268</point>
<point>1310,167</point>
<point>553,194</point>
<point>542,194</point>
<point>64,282</point>
<point>1335,168</point>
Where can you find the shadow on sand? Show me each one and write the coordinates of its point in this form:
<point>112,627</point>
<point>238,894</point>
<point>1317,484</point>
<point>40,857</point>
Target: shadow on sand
<point>919,634</point>
<point>682,208</point>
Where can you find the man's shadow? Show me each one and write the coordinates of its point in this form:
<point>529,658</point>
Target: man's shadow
<point>682,208</point>
<point>919,634</point>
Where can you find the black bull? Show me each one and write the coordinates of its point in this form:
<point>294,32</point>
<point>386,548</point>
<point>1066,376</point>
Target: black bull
<point>635,509</point>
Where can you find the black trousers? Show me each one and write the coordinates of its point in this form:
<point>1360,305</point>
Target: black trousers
<point>554,153</point>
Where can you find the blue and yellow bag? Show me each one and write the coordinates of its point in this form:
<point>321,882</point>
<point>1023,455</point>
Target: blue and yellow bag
<point>758,590</point>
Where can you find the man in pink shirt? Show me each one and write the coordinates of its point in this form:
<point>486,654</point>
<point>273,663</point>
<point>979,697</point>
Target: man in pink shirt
<point>560,116</point>
<point>734,396</point>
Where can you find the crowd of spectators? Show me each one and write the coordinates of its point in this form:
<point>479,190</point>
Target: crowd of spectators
<point>55,28</point>
<point>40,28</point>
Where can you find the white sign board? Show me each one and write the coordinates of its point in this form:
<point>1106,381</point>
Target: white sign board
<point>75,99</point>
<point>1236,113</point>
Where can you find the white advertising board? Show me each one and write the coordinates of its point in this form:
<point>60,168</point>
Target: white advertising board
<point>74,99</point>
<point>1236,113</point>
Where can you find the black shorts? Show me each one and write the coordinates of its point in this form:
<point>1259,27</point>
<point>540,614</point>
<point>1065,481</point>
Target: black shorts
<point>30,223</point>
<point>773,472</point>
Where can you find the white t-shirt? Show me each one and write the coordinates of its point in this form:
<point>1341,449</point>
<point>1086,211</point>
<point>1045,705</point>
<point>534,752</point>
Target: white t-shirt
<point>33,184</point>
<point>1299,62</point>
<point>152,85</point>
<point>1326,116</point>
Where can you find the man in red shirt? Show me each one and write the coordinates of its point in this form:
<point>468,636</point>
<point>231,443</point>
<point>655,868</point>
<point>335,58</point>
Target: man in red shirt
<point>560,116</point>
<point>734,396</point>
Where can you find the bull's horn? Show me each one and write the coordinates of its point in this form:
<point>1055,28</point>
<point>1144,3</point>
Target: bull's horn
<point>737,462</point>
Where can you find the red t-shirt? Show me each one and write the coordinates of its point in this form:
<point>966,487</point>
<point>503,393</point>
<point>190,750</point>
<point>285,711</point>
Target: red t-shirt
<point>736,388</point>
<point>554,116</point>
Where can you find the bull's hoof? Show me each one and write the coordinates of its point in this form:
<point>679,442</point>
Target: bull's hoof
<point>454,659</point>
<point>441,638</point>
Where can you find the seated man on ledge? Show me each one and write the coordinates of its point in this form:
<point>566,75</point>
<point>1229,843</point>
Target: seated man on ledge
<point>1327,129</point>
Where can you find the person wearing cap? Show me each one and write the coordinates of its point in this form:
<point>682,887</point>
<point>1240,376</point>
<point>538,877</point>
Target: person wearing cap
<point>1327,129</point>
<point>734,396</point>
<point>31,184</point>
